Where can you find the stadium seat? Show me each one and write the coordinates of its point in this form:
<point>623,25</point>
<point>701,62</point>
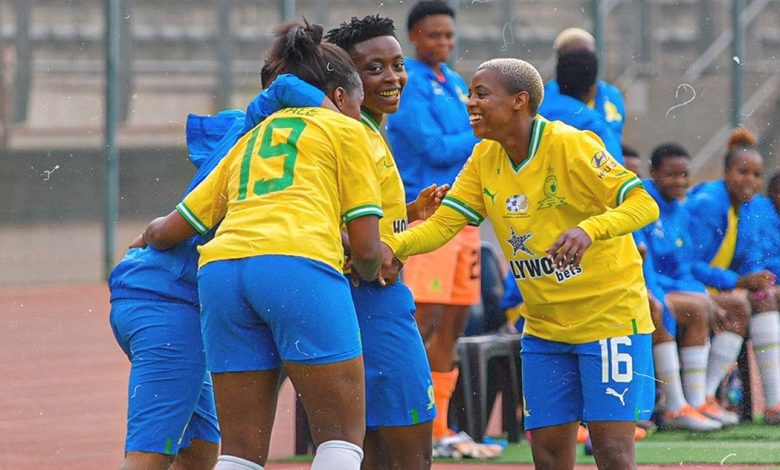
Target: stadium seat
<point>488,364</point>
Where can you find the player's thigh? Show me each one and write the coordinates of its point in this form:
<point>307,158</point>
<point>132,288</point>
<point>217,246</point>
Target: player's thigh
<point>399,391</point>
<point>333,395</point>
<point>552,394</point>
<point>618,380</point>
<point>408,447</point>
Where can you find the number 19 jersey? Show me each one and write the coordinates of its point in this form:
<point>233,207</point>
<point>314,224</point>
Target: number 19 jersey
<point>285,188</point>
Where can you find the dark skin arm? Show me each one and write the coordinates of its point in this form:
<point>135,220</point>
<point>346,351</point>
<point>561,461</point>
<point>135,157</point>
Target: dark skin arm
<point>366,254</point>
<point>163,233</point>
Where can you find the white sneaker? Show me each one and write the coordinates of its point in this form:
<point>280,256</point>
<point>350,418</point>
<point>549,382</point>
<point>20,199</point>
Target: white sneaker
<point>461,445</point>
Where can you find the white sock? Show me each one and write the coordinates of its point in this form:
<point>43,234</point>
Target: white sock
<point>337,455</point>
<point>229,462</point>
<point>724,349</point>
<point>667,370</point>
<point>694,372</point>
<point>765,333</point>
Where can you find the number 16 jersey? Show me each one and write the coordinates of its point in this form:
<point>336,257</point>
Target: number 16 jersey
<point>285,188</point>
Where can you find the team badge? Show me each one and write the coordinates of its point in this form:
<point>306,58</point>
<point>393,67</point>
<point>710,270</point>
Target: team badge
<point>551,192</point>
<point>517,242</point>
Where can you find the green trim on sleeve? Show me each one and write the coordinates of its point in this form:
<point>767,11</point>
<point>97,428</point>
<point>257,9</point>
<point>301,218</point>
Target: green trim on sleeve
<point>463,208</point>
<point>191,218</point>
<point>625,188</point>
<point>361,211</point>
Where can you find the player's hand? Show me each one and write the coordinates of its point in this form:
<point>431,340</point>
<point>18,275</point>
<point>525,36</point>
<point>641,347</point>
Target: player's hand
<point>391,267</point>
<point>138,242</point>
<point>569,248</point>
<point>428,201</point>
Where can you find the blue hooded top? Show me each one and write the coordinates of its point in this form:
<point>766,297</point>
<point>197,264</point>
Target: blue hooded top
<point>559,107</point>
<point>147,273</point>
<point>708,203</point>
<point>430,134</point>
<point>669,245</point>
<point>608,102</point>
<point>769,221</point>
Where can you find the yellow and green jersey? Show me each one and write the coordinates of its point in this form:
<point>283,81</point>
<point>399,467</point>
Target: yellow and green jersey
<point>567,180</point>
<point>286,187</point>
<point>390,183</point>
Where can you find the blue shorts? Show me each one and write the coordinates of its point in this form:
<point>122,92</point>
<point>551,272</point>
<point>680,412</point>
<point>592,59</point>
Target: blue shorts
<point>606,380</point>
<point>399,391</point>
<point>170,397</point>
<point>260,311</point>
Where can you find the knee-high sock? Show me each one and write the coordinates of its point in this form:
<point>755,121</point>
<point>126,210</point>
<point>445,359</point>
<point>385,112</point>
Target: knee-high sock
<point>229,462</point>
<point>337,455</point>
<point>765,334</point>
<point>724,349</point>
<point>667,370</point>
<point>443,386</point>
<point>694,372</point>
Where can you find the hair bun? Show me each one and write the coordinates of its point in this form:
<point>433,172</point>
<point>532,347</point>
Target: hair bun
<point>741,138</point>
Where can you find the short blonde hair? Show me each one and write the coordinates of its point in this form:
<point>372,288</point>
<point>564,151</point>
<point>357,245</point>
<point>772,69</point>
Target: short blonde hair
<point>573,38</point>
<point>516,76</point>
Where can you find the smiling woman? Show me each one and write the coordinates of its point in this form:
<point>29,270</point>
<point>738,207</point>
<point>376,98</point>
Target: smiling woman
<point>565,246</point>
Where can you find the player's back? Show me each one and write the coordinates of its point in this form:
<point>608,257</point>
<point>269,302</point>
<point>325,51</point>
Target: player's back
<point>286,186</point>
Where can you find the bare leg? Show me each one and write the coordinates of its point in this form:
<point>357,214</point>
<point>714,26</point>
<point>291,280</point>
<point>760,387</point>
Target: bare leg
<point>375,455</point>
<point>613,444</point>
<point>334,398</point>
<point>555,447</point>
<point>441,347</point>
<point>408,447</point>
<point>200,454</point>
<point>246,405</point>
<point>146,461</point>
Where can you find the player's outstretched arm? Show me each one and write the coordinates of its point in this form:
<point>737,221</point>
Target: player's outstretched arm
<point>164,233</point>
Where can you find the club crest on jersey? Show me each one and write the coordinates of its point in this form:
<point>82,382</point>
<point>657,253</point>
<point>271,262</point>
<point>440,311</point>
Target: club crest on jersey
<point>437,88</point>
<point>517,242</point>
<point>536,268</point>
<point>551,192</point>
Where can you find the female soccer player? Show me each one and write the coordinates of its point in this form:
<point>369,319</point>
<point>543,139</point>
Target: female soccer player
<point>399,401</point>
<point>564,210</point>
<point>270,282</point>
<point>727,239</point>
<point>431,140</point>
<point>725,314</point>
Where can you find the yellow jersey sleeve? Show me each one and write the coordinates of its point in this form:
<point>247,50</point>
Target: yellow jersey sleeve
<point>358,179</point>
<point>465,197</point>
